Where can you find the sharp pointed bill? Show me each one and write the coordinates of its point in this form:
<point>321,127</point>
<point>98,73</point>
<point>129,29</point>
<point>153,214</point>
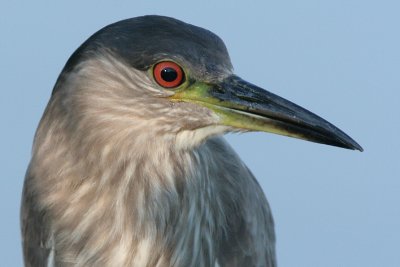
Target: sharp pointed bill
<point>245,106</point>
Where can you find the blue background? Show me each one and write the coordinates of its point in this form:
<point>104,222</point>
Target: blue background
<point>340,59</point>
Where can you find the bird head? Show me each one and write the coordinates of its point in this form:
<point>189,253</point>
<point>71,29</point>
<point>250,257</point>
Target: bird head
<point>157,76</point>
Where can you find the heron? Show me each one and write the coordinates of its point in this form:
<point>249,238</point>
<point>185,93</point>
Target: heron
<point>129,166</point>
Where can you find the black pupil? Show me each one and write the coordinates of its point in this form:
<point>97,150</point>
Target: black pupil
<point>169,74</point>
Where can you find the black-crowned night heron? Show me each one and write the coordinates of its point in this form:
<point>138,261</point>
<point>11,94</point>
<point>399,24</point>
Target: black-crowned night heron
<point>128,168</point>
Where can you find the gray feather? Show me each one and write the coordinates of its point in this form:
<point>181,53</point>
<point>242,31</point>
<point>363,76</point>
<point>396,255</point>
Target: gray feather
<point>120,176</point>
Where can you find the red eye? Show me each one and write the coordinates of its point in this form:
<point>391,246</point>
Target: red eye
<point>168,74</point>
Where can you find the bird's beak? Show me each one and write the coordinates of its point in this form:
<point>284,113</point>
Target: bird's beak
<point>245,106</point>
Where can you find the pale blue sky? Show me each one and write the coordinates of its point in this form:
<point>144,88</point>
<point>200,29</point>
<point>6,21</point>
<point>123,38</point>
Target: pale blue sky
<point>340,59</point>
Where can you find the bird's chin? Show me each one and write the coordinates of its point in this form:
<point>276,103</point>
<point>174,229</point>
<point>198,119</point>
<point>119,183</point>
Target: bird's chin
<point>188,139</point>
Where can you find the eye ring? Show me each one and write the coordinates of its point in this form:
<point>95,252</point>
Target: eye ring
<point>168,74</point>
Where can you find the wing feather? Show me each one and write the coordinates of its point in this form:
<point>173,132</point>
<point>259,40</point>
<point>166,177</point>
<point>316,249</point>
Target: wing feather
<point>35,230</point>
<point>250,238</point>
